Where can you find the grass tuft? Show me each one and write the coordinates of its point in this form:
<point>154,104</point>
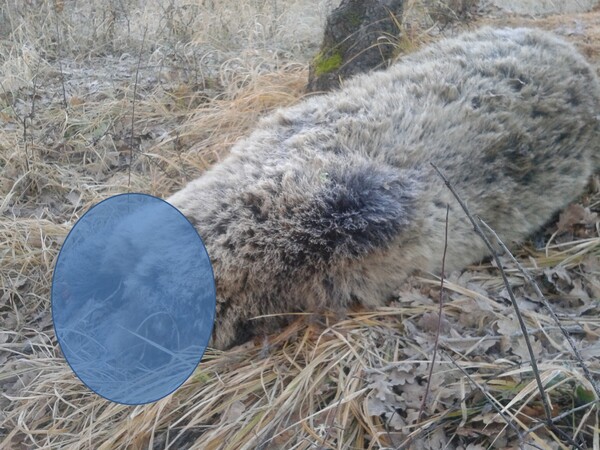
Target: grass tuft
<point>69,80</point>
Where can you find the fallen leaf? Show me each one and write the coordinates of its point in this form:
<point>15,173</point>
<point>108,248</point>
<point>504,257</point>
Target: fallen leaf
<point>234,412</point>
<point>575,215</point>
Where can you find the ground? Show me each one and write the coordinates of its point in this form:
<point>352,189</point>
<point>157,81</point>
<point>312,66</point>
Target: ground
<point>103,97</point>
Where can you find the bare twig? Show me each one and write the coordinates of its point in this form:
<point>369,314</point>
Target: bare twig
<point>31,115</point>
<point>492,401</point>
<point>439,324</point>
<point>135,85</point>
<point>23,121</point>
<point>60,67</point>
<point>522,324</point>
<point>25,143</point>
<point>33,96</point>
<point>548,307</point>
<point>566,414</point>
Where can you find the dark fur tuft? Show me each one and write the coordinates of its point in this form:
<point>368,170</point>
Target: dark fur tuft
<point>359,208</point>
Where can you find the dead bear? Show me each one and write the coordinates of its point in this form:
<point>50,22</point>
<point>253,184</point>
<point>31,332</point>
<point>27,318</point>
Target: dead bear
<point>334,201</point>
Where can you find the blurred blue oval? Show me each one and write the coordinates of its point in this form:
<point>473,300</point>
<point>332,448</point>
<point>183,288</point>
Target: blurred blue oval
<point>133,298</point>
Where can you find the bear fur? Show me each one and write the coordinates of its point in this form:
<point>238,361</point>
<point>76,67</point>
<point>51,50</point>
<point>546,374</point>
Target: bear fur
<point>334,201</point>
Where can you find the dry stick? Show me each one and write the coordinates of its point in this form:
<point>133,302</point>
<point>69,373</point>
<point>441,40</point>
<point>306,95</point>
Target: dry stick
<point>548,307</point>
<point>513,300</point>
<point>34,94</point>
<point>419,432</point>
<point>437,339</point>
<point>491,400</point>
<point>439,324</point>
<point>565,414</point>
<point>27,167</point>
<point>22,120</point>
<point>135,84</point>
<point>60,67</point>
<point>30,116</point>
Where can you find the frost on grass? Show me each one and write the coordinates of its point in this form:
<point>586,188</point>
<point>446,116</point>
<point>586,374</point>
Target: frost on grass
<point>68,72</point>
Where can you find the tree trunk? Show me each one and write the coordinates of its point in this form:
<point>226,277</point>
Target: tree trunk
<point>359,36</point>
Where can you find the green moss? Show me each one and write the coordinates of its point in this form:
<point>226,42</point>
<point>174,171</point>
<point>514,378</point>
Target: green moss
<point>328,64</point>
<point>201,376</point>
<point>354,19</point>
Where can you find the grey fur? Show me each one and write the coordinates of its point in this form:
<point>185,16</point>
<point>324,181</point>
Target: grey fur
<point>333,201</point>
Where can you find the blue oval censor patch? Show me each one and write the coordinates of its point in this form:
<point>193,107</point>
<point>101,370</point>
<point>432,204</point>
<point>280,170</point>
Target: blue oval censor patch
<point>133,299</point>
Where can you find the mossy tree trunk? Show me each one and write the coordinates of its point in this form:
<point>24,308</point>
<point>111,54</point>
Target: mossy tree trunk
<point>359,36</point>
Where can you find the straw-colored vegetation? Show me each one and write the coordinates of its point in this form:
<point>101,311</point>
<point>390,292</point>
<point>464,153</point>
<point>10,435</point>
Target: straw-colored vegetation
<point>90,89</point>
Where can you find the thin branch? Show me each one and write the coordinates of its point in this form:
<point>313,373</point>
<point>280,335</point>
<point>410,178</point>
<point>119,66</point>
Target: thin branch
<point>492,401</point>
<point>23,122</point>
<point>566,414</point>
<point>33,95</point>
<point>548,307</point>
<point>523,326</point>
<point>439,324</point>
<point>135,85</point>
<point>31,115</point>
<point>60,67</point>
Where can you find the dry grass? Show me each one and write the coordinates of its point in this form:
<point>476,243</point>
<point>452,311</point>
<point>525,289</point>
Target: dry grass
<point>206,74</point>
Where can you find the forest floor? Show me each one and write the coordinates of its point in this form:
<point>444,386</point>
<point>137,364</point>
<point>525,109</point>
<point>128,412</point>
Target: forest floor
<point>103,97</point>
